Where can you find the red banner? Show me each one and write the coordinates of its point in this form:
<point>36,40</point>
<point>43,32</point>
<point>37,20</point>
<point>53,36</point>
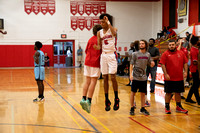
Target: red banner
<point>88,23</point>
<point>95,21</point>
<point>73,7</point>
<point>28,6</point>
<point>81,22</point>
<point>36,6</point>
<point>102,7</point>
<point>44,6</point>
<point>81,7</point>
<point>95,8</point>
<point>51,6</point>
<point>88,8</point>
<point>74,22</point>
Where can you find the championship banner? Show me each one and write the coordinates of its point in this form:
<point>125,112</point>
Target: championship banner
<point>51,6</point>
<point>44,6</point>
<point>74,24</point>
<point>88,8</point>
<point>28,6</point>
<point>95,21</point>
<point>36,6</point>
<point>88,23</point>
<point>95,8</point>
<point>81,22</point>
<point>73,7</point>
<point>102,7</point>
<point>81,7</point>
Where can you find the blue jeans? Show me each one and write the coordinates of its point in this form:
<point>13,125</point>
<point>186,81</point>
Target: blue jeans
<point>152,71</point>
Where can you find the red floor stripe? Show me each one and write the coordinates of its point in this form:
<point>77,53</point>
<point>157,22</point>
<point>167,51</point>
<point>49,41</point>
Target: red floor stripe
<point>142,125</point>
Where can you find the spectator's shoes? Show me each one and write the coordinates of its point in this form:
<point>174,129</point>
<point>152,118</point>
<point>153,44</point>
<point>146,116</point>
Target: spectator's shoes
<point>181,110</point>
<point>116,105</point>
<point>147,104</point>
<point>144,111</point>
<point>107,103</point>
<point>39,99</point>
<point>167,111</point>
<point>132,111</point>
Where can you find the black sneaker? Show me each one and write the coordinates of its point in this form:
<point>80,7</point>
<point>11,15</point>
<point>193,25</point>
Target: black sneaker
<point>144,111</point>
<point>182,97</point>
<point>107,103</point>
<point>190,101</point>
<point>116,105</point>
<point>132,111</point>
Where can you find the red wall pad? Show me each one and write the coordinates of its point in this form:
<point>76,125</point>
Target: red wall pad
<point>21,55</point>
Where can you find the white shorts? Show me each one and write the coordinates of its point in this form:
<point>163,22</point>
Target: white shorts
<point>79,58</point>
<point>108,63</point>
<point>91,71</point>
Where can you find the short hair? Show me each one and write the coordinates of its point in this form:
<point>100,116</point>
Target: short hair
<point>172,40</point>
<point>194,40</point>
<point>152,39</point>
<point>38,44</point>
<point>107,15</point>
<point>187,32</point>
<point>146,44</point>
<point>96,28</point>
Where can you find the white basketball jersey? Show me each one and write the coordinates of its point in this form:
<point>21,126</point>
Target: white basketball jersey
<point>108,41</point>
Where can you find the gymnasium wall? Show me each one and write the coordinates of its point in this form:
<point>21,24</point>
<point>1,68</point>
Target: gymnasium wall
<point>134,20</point>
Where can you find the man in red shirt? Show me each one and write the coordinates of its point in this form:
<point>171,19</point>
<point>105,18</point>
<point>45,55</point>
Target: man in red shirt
<point>173,62</point>
<point>91,69</point>
<point>194,70</point>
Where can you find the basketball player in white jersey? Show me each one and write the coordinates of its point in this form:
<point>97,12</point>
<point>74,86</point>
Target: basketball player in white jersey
<point>107,42</point>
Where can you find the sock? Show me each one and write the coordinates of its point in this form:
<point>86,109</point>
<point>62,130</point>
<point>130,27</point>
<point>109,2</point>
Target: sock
<point>40,96</point>
<point>84,97</point>
<point>145,98</point>
<point>167,105</point>
<point>90,99</point>
<point>116,94</point>
<point>178,104</point>
<point>106,95</point>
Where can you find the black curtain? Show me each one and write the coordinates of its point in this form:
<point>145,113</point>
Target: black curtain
<point>172,13</point>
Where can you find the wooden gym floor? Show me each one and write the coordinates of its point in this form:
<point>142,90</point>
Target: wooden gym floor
<point>61,111</point>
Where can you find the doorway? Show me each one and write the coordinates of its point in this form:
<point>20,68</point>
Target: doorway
<point>64,53</point>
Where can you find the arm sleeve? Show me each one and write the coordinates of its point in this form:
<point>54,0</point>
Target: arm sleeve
<point>133,57</point>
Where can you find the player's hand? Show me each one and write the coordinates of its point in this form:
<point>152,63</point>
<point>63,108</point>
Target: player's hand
<point>185,75</point>
<point>106,19</point>
<point>152,64</point>
<point>131,78</point>
<point>97,47</point>
<point>167,77</point>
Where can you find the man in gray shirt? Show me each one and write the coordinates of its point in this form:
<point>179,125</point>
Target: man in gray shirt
<point>138,64</point>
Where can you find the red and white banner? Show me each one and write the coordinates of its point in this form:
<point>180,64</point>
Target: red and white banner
<point>51,6</point>
<point>74,24</point>
<point>36,6</point>
<point>73,7</point>
<point>81,22</point>
<point>28,6</point>
<point>44,6</point>
<point>88,8</point>
<point>95,8</point>
<point>102,7</point>
<point>95,21</point>
<point>81,6</point>
<point>88,23</point>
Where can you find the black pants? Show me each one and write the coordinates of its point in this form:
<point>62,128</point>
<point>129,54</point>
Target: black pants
<point>195,87</point>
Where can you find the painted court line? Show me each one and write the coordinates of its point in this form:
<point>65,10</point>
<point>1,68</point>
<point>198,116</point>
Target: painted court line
<point>142,125</point>
<point>72,107</point>
<point>36,125</point>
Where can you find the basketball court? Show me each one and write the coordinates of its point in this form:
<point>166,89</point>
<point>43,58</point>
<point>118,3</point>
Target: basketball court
<point>61,111</point>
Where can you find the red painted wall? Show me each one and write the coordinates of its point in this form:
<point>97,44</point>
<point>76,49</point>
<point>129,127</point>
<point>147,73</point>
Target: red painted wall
<point>21,55</point>
<point>193,12</point>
